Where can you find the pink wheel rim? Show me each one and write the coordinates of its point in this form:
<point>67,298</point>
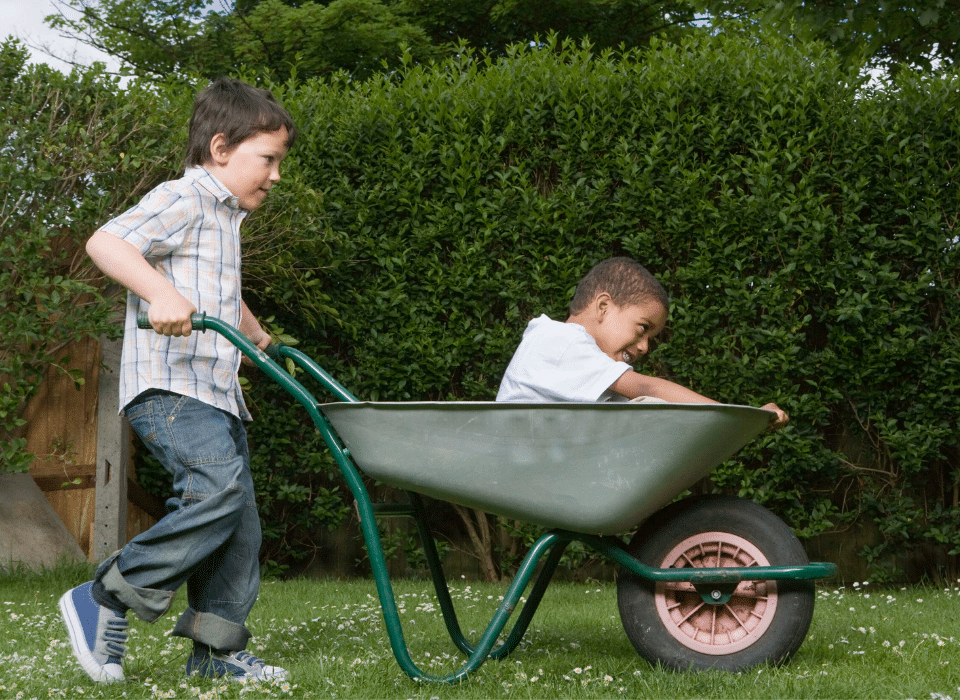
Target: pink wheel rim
<point>723,628</point>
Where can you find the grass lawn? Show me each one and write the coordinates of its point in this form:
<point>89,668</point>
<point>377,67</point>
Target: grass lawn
<point>865,642</point>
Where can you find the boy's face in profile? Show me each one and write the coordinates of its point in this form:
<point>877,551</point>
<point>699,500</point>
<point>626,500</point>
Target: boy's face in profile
<point>250,168</point>
<point>624,332</point>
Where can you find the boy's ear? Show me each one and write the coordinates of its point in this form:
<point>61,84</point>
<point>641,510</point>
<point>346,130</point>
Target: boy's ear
<point>219,151</point>
<point>601,304</point>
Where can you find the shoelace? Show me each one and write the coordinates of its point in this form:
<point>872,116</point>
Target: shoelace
<point>248,658</point>
<point>115,637</point>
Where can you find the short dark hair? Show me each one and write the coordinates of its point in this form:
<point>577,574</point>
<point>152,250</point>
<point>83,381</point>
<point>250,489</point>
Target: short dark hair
<point>626,281</point>
<point>238,111</point>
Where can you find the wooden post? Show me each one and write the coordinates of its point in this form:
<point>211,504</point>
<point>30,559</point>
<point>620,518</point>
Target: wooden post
<point>113,458</point>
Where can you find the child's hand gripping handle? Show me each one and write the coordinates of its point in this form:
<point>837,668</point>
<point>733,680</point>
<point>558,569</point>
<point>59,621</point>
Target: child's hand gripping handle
<point>197,321</point>
<point>262,359</point>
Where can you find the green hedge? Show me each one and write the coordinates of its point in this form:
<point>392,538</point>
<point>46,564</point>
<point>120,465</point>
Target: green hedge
<point>803,224</point>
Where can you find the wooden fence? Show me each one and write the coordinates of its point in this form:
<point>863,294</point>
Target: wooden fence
<point>83,451</point>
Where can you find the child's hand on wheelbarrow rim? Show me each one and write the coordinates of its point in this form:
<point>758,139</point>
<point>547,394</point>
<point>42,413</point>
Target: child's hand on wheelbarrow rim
<point>781,418</point>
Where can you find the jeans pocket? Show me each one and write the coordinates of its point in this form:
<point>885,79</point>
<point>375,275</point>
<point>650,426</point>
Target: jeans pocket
<point>202,434</point>
<point>141,418</point>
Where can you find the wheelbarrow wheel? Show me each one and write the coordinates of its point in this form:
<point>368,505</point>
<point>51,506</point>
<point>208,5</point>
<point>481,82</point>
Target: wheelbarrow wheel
<point>669,624</point>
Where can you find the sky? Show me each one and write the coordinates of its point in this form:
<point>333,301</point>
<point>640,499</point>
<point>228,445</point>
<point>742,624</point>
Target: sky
<point>24,20</point>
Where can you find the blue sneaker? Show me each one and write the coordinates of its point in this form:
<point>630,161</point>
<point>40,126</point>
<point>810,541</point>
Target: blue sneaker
<point>98,634</point>
<point>232,665</point>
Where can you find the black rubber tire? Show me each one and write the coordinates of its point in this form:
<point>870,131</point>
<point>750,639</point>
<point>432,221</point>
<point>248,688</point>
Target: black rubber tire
<point>649,629</point>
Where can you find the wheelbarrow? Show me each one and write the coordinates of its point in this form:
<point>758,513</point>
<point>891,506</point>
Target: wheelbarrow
<point>710,582</point>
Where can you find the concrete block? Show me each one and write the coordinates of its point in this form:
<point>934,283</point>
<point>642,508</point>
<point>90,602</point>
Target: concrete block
<point>31,533</point>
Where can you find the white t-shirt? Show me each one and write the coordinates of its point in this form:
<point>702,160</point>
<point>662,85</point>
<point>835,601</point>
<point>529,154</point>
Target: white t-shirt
<point>560,362</point>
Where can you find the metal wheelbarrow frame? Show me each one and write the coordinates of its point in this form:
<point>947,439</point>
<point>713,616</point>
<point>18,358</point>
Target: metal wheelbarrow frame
<point>714,585</point>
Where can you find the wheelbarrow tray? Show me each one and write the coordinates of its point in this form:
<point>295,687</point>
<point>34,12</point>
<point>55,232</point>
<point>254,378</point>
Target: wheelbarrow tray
<point>591,468</point>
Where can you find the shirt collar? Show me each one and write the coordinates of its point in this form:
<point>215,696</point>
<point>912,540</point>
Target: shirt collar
<point>204,179</point>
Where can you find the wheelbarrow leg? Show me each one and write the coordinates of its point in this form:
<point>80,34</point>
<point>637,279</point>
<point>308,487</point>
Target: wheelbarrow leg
<point>533,600</point>
<point>388,603</point>
<point>446,602</point>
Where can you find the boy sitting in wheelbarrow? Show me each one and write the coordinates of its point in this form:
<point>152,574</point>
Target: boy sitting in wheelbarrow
<point>617,309</point>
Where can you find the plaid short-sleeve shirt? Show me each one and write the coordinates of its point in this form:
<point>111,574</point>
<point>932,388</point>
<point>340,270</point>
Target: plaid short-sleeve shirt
<point>189,230</point>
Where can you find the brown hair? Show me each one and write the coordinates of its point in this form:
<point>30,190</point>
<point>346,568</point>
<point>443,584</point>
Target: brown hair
<point>238,111</point>
<point>626,281</point>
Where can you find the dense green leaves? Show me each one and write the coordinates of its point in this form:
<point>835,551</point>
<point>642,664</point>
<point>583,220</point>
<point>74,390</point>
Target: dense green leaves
<point>179,38</point>
<point>73,148</point>
<point>917,32</point>
<point>803,225</point>
<point>282,38</point>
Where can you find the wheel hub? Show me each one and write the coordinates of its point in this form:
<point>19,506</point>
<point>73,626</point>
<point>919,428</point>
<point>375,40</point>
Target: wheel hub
<point>716,619</point>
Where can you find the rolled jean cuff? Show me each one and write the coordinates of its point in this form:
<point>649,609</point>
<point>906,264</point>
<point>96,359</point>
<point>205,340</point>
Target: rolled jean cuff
<point>147,603</point>
<point>212,630</point>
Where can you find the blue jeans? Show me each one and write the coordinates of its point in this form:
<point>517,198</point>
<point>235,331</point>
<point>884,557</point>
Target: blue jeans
<point>210,537</point>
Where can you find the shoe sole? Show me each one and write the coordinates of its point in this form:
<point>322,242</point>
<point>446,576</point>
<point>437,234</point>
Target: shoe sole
<point>97,673</point>
<point>241,678</point>
<point>250,678</point>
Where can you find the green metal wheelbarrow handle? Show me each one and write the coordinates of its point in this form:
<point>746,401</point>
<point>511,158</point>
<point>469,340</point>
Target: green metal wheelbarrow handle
<point>267,360</point>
